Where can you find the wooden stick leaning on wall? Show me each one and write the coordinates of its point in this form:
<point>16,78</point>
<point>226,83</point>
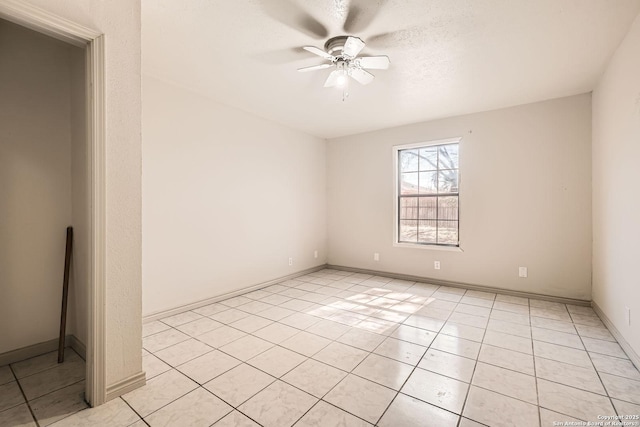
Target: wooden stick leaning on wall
<point>65,294</point>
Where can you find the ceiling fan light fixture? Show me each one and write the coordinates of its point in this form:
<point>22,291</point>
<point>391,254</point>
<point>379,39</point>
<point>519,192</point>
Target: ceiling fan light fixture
<point>342,53</point>
<point>342,75</point>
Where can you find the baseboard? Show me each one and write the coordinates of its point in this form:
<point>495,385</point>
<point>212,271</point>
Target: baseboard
<point>471,286</point>
<point>126,385</point>
<point>633,356</point>
<point>77,345</point>
<point>34,350</point>
<point>187,307</point>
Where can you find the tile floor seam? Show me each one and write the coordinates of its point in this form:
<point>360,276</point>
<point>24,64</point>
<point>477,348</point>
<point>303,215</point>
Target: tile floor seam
<point>503,367</point>
<point>561,413</point>
<point>606,390</point>
<point>58,389</point>
<point>167,404</point>
<point>44,370</point>
<point>475,366</point>
<point>407,379</point>
<point>329,298</point>
<point>328,391</point>
<point>186,361</point>
<point>535,373</point>
<point>560,345</point>
<point>17,404</point>
<point>308,410</point>
<point>276,380</point>
<point>349,373</point>
<point>24,396</point>
<point>352,372</point>
<point>135,412</point>
<point>220,374</point>
<point>434,405</point>
<point>246,415</point>
<point>244,401</point>
<point>347,411</point>
<point>574,387</point>
<point>389,405</point>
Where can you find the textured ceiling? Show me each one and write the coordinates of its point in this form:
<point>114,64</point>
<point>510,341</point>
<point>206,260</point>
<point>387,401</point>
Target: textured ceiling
<point>448,57</point>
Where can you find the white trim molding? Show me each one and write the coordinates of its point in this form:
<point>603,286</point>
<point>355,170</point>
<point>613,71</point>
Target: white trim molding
<point>188,307</point>
<point>93,41</point>
<point>39,349</point>
<point>396,195</point>
<point>633,356</point>
<point>96,387</point>
<point>469,286</point>
<point>78,346</point>
<point>44,22</point>
<point>126,385</point>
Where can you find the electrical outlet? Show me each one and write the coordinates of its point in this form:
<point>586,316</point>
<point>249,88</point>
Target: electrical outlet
<point>290,261</point>
<point>315,254</point>
<point>436,265</point>
<point>376,256</point>
<point>627,315</point>
<point>522,272</point>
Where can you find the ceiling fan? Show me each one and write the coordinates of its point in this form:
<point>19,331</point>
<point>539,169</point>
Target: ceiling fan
<point>342,54</point>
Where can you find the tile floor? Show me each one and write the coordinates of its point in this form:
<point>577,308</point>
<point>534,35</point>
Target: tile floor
<point>41,389</point>
<point>339,349</point>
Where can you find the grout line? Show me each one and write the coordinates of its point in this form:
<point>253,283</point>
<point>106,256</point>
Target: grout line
<point>24,396</point>
<point>136,412</point>
<point>404,383</point>
<point>50,367</point>
<point>600,378</point>
<point>414,368</point>
<point>475,365</point>
<point>308,410</point>
<point>535,376</point>
<point>370,318</point>
<point>167,404</point>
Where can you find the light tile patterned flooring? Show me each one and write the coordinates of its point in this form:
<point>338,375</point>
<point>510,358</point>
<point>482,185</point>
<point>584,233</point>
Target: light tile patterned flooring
<point>334,348</point>
<point>40,387</point>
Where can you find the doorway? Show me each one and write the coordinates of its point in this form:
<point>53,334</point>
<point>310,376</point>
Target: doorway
<point>45,188</point>
<point>91,44</point>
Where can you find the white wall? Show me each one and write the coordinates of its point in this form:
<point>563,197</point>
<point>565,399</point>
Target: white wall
<point>120,22</point>
<point>35,183</point>
<point>228,198</point>
<point>616,174</point>
<point>525,199</point>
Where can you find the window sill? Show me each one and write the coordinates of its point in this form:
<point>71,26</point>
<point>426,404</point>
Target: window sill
<point>428,247</point>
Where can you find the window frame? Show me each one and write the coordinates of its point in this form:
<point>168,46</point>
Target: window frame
<point>396,196</point>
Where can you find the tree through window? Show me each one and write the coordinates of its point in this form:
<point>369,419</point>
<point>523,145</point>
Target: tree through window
<point>428,194</point>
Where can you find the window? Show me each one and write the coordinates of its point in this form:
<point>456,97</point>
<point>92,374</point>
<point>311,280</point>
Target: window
<point>427,199</point>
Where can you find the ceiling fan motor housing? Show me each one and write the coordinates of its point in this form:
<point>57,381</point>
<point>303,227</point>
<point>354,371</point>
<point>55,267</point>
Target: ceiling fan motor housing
<point>335,45</point>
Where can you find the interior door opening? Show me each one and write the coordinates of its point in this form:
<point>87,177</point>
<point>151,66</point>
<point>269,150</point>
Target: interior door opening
<point>45,186</point>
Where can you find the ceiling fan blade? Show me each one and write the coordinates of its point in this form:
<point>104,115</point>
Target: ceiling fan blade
<point>361,14</point>
<point>361,76</point>
<point>315,67</point>
<point>332,80</point>
<point>290,13</point>
<point>380,62</point>
<point>319,52</point>
<point>352,47</point>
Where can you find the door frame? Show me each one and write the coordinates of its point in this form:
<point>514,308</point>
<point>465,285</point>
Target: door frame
<point>93,42</point>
